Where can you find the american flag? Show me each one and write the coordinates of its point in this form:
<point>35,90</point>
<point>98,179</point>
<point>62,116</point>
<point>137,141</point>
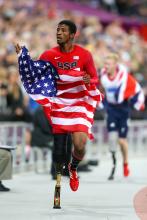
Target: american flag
<point>70,104</point>
<point>38,77</point>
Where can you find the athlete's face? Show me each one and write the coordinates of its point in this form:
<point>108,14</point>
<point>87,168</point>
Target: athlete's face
<point>63,34</point>
<point>110,65</point>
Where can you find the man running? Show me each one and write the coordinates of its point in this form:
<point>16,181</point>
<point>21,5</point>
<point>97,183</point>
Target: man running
<point>73,108</point>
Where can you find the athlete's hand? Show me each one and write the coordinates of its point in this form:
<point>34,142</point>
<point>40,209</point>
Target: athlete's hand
<point>17,48</point>
<point>86,78</point>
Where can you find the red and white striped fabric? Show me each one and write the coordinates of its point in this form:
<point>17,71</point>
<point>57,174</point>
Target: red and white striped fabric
<point>73,108</point>
<point>122,87</point>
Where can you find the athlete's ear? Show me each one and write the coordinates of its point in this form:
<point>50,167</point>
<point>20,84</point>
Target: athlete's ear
<point>72,36</point>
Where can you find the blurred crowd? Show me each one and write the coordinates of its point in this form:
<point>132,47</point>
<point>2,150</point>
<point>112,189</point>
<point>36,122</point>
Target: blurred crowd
<point>33,23</point>
<point>123,7</point>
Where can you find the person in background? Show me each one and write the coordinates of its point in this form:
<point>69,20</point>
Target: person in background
<point>5,111</point>
<point>19,110</point>
<point>5,167</point>
<point>16,98</point>
<point>122,92</point>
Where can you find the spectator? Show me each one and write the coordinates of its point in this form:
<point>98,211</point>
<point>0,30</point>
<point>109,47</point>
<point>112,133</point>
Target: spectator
<point>5,167</point>
<point>16,99</point>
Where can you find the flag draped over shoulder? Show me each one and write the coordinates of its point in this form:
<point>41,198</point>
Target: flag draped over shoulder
<point>67,102</point>
<point>123,87</point>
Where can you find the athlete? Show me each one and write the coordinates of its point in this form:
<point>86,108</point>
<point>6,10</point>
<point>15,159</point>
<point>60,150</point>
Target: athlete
<point>121,92</point>
<point>73,109</point>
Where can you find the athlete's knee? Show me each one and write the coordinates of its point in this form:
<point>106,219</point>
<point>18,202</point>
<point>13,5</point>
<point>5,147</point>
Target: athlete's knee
<point>113,138</point>
<point>79,147</point>
<point>80,144</point>
<point>122,141</point>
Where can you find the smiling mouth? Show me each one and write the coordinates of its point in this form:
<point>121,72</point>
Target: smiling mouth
<point>59,38</point>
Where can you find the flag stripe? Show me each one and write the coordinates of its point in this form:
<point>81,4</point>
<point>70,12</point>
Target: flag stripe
<point>76,109</point>
<point>72,115</point>
<point>70,121</point>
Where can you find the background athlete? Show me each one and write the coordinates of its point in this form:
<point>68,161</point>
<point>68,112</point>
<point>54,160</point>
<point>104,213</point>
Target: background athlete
<point>122,92</point>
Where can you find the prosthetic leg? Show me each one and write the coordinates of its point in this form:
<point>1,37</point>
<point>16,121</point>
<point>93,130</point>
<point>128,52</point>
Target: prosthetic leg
<point>113,149</point>
<point>111,177</point>
<point>59,168</point>
<point>59,160</point>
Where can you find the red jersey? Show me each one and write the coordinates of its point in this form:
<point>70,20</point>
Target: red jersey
<point>78,59</point>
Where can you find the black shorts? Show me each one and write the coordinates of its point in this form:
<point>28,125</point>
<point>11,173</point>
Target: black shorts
<point>119,125</point>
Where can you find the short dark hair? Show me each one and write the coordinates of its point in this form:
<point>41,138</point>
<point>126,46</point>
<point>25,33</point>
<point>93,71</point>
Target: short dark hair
<point>70,24</point>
